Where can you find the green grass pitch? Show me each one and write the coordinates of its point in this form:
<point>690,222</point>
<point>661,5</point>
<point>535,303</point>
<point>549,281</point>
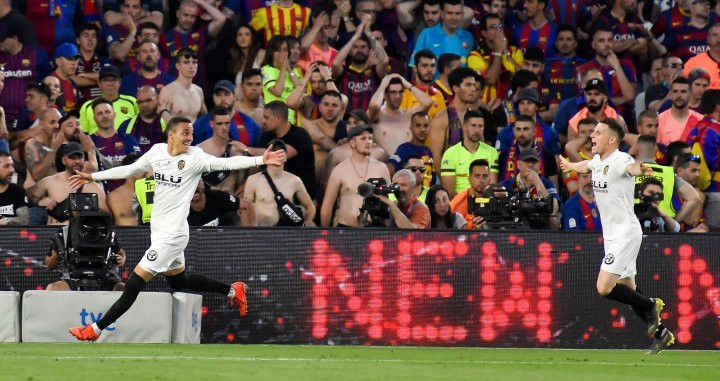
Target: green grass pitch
<point>95,361</point>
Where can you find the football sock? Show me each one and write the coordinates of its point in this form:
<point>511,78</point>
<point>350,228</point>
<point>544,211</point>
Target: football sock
<point>133,286</point>
<point>627,295</point>
<point>197,283</point>
<point>640,313</point>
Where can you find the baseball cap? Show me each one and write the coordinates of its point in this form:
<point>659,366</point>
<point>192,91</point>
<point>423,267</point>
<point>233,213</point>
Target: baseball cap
<point>40,88</point>
<point>358,130</point>
<point>109,71</point>
<point>73,148</point>
<point>359,114</point>
<point>224,85</point>
<point>529,155</point>
<point>67,50</point>
<point>596,84</point>
<point>68,115</point>
<point>528,94</point>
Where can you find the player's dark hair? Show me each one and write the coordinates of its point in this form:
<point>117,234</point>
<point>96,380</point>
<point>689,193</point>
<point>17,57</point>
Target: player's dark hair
<point>332,93</point>
<point>99,101</point>
<point>676,148</point>
<point>525,118</point>
<point>394,81</point>
<point>647,182</point>
<point>457,76</point>
<point>710,101</point>
<point>522,79</point>
<point>419,114</point>
<point>425,53</point>
<point>534,54</point>
<point>647,114</point>
<point>600,27</point>
<point>484,21</point>
<point>647,139</point>
<point>480,79</point>
<point>278,109</point>
<point>681,80</point>
<point>587,121</point>
<point>175,121</point>
<point>615,128</point>
<point>451,2</point>
<point>445,60</point>
<point>251,73</point>
<point>146,25</point>
<point>273,46</point>
<point>478,163</point>
<point>469,114</point>
<point>4,153</point>
<point>91,26</point>
<point>567,28</point>
<point>219,111</point>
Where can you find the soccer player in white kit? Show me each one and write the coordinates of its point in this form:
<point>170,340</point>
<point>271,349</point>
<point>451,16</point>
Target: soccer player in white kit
<point>613,180</point>
<point>177,167</point>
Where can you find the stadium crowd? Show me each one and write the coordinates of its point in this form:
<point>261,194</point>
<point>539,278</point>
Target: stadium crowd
<point>443,98</point>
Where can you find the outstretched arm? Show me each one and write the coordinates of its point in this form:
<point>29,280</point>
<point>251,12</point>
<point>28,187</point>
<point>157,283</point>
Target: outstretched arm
<point>142,165</point>
<point>212,163</point>
<point>579,167</point>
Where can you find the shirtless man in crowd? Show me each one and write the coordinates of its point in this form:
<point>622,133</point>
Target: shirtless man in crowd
<point>182,96</point>
<point>258,191</point>
<point>120,199</point>
<point>322,130</point>
<point>53,190</point>
<point>40,150</point>
<point>390,121</point>
<point>345,178</point>
<point>219,145</point>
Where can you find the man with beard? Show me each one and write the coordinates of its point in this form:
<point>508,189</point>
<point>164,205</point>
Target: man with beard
<point>708,60</point>
<point>40,150</point>
<point>577,150</point>
<point>676,123</point>
<point>323,129</point>
<point>447,36</point>
<point>419,129</point>
<point>407,212</point>
<point>182,97</point>
<point>687,167</point>
<point>463,202</point>
<point>148,127</point>
<point>390,120</point>
<point>456,160</point>
<point>618,74</point>
<point>537,31</point>
<point>447,127</point>
<point>149,73</point>
<point>249,102</point>
<point>425,70</point>
<point>597,107</point>
<point>51,191</point>
<point>221,145</point>
<point>347,176</point>
<point>580,213</point>
<point>656,95</point>
<point>358,79</point>
<point>259,192</point>
<point>527,103</point>
<point>243,129</point>
<point>13,201</point>
<point>690,38</point>
<point>629,34</point>
<point>525,138</point>
<point>315,42</point>
<point>71,132</point>
<point>320,79</point>
<point>430,13</point>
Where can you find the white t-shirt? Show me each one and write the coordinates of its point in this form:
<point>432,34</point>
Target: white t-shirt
<point>176,178</point>
<point>614,194</point>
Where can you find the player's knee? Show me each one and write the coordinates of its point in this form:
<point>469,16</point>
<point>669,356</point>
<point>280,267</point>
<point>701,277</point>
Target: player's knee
<point>177,282</point>
<point>603,289</point>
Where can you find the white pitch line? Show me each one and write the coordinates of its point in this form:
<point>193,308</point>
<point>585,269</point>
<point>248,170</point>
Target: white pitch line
<point>293,359</point>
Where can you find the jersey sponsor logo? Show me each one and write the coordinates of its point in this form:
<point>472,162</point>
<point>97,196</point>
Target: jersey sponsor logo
<point>600,186</point>
<point>151,255</point>
<point>609,259</point>
<point>124,110</point>
<point>181,164</point>
<point>698,49</point>
<point>25,62</point>
<point>359,87</point>
<point>572,223</point>
<point>167,179</point>
<point>18,74</point>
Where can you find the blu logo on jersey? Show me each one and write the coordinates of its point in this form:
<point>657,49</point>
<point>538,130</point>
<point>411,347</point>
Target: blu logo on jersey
<point>168,179</point>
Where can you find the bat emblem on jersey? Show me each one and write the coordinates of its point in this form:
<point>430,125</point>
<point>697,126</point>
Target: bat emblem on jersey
<point>609,259</point>
<point>181,164</point>
<point>606,169</point>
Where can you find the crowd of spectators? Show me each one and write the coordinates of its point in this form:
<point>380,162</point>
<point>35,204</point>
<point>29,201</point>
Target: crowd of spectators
<point>453,102</point>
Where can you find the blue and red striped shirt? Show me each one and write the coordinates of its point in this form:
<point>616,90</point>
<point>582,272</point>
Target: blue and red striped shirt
<point>670,19</point>
<point>172,41</point>
<point>29,65</point>
<point>543,38</point>
<point>707,133</point>
<point>561,76</point>
<point>686,41</point>
<point>569,12</point>
<point>359,86</point>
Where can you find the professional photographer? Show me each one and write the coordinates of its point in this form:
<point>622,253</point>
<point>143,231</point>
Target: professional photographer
<point>464,202</point>
<point>530,186</point>
<point>651,216</point>
<point>408,212</point>
<point>86,252</point>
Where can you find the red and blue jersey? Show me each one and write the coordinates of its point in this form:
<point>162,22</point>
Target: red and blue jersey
<point>621,28</point>
<point>670,19</point>
<point>561,76</point>
<point>358,85</point>
<point>29,65</point>
<point>69,98</point>
<point>131,83</point>
<point>543,38</point>
<point>707,134</point>
<point>147,134</point>
<point>614,90</point>
<point>581,215</point>
<point>92,65</point>
<point>569,12</point>
<point>53,21</point>
<point>172,41</point>
<point>686,41</point>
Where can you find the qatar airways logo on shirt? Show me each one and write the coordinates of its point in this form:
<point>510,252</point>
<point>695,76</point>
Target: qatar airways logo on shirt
<point>18,73</point>
<point>168,180</point>
<point>694,49</point>
<point>359,87</point>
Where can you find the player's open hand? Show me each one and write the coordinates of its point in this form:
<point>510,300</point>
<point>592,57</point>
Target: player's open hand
<point>274,157</point>
<point>646,170</point>
<point>564,164</point>
<point>78,179</point>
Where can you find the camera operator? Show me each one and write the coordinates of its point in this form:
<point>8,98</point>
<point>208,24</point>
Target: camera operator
<point>53,260</point>
<point>651,215</point>
<point>528,179</point>
<point>479,177</point>
<point>408,212</point>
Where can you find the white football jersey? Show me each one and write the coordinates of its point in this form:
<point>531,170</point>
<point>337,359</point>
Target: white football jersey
<point>176,178</point>
<point>614,192</point>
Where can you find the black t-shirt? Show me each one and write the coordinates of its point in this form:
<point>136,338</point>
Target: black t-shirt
<point>303,164</point>
<point>13,198</point>
<point>220,209</point>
